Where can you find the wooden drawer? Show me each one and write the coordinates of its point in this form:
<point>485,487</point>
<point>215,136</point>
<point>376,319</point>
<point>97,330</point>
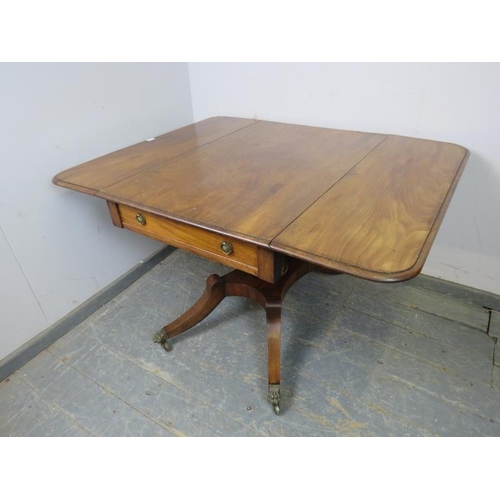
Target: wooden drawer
<point>247,257</point>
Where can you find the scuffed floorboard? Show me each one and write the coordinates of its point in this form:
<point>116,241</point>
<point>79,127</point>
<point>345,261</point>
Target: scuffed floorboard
<point>358,359</point>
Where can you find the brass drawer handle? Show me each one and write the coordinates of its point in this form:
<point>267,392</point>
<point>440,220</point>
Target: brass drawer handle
<point>140,219</point>
<point>226,248</point>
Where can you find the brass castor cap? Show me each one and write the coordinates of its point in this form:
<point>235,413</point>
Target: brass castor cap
<point>161,338</point>
<point>274,397</point>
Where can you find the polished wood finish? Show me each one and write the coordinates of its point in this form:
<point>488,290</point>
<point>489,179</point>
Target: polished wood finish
<point>244,255</point>
<point>214,293</point>
<point>271,265</point>
<point>366,204</point>
<point>115,215</point>
<point>237,283</point>
<point>251,183</point>
<point>378,222</point>
<point>280,200</point>
<point>253,259</point>
<point>95,175</point>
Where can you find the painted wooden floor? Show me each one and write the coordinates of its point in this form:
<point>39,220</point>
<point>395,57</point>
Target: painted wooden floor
<point>358,359</point>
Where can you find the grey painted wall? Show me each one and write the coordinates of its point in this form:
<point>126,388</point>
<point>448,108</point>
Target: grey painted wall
<point>58,247</point>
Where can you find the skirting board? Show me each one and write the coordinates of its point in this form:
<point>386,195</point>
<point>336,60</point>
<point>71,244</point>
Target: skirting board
<point>54,332</point>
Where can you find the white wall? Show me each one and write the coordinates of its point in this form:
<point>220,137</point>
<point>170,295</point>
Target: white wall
<point>457,103</point>
<point>58,247</point>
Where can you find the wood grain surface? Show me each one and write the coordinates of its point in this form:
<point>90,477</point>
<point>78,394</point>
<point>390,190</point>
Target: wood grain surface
<point>366,204</point>
<point>252,183</point>
<point>377,220</point>
<point>244,255</point>
<point>97,174</point>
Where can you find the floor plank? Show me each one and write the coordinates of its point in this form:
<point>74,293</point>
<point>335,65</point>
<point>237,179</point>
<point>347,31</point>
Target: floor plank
<point>414,360</point>
<point>496,377</point>
<point>153,390</point>
<point>358,359</point>
<point>89,404</point>
<point>435,303</point>
<point>24,413</point>
<point>480,298</point>
<point>474,347</point>
<point>494,325</point>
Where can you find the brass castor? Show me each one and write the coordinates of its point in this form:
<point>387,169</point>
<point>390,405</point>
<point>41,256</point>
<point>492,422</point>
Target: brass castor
<point>274,397</point>
<point>161,338</point>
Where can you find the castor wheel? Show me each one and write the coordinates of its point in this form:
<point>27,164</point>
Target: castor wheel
<point>161,338</point>
<point>276,409</point>
<point>166,345</point>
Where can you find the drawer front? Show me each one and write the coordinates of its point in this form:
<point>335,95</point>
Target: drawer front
<point>224,249</point>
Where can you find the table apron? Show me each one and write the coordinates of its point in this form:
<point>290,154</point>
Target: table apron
<point>251,258</point>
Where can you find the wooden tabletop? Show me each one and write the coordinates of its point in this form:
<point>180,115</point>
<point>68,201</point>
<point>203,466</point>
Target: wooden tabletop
<point>366,204</point>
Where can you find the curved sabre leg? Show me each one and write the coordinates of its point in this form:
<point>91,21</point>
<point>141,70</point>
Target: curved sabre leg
<point>269,295</point>
<point>211,298</point>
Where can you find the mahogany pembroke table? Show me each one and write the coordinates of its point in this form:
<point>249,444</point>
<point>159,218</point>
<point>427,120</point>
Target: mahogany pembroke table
<point>274,201</point>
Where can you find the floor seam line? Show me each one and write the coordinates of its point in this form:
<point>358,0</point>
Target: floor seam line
<point>406,353</point>
<point>170,429</point>
<point>56,406</point>
<point>424,311</point>
<point>442,398</point>
<point>400,326</point>
<point>142,367</point>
